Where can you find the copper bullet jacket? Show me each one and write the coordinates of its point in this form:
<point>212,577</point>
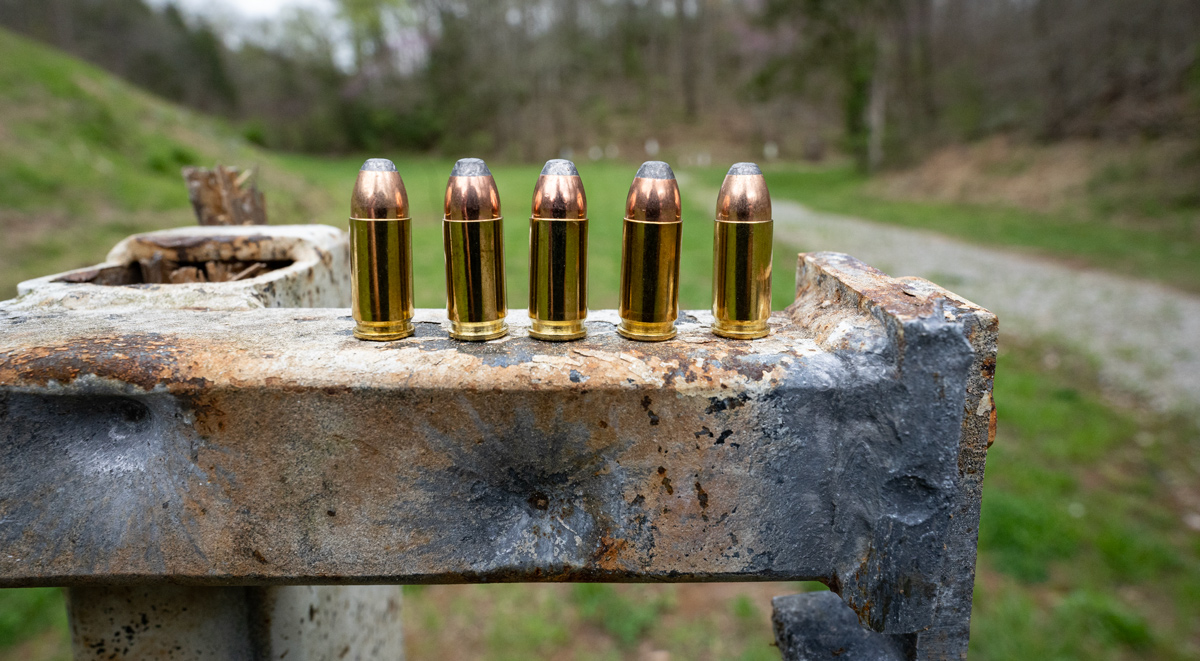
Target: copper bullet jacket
<point>558,233</point>
<point>473,239</point>
<point>742,244</point>
<point>380,254</point>
<point>651,234</point>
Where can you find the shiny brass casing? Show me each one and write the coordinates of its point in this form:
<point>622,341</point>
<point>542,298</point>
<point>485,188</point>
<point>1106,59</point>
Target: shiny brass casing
<point>742,244</point>
<point>473,239</point>
<point>381,254</point>
<point>653,228</point>
<point>558,233</point>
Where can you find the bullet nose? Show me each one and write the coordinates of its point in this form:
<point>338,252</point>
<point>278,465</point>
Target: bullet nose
<point>471,193</point>
<point>654,194</point>
<point>559,192</point>
<point>744,196</point>
<point>379,192</point>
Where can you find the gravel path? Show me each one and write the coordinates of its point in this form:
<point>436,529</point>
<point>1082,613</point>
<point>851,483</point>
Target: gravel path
<point>1144,336</point>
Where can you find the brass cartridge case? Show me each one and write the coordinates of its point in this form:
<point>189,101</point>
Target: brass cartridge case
<point>653,228</point>
<point>558,233</point>
<point>381,254</point>
<point>473,239</point>
<point>742,255</point>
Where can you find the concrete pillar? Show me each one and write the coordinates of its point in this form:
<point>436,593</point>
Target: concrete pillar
<point>297,623</point>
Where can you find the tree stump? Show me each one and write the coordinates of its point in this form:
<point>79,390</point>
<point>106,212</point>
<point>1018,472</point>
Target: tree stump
<point>225,196</point>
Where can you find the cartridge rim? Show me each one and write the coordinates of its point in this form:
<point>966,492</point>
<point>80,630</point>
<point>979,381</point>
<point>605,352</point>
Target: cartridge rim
<point>741,330</point>
<point>478,331</point>
<point>642,331</point>
<point>384,331</point>
<point>557,331</point>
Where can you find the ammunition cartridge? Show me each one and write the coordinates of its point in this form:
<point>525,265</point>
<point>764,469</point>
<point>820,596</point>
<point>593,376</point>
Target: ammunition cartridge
<point>742,255</point>
<point>558,228</point>
<point>381,254</point>
<point>649,297</point>
<point>473,238</point>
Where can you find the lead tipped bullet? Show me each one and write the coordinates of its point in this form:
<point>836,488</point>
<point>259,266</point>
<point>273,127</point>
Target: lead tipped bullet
<point>559,192</point>
<point>742,255</point>
<point>651,234</point>
<point>380,254</point>
<point>471,193</point>
<point>744,197</point>
<point>379,192</point>
<point>473,239</point>
<point>653,195</point>
<point>558,227</point>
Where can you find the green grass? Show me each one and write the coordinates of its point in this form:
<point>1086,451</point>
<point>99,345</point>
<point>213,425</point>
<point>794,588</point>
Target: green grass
<point>86,160</point>
<point>28,611</point>
<point>586,622</point>
<point>624,619</point>
<point>1166,252</point>
<point>1082,550</point>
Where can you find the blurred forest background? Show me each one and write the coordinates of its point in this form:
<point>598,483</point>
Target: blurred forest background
<point>885,81</point>
<point>1054,138</point>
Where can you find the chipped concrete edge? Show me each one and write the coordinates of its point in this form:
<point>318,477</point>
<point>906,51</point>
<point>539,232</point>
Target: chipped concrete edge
<point>839,279</point>
<point>318,277</point>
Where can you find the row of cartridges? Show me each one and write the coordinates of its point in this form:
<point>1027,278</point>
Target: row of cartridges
<point>473,240</point>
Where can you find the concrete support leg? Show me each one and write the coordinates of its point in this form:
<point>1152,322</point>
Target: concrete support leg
<point>820,625</point>
<point>318,622</point>
<point>305,623</point>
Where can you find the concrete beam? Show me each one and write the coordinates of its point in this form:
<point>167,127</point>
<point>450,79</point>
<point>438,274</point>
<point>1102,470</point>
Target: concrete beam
<point>269,447</point>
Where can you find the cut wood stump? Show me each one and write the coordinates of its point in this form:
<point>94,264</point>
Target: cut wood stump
<point>225,196</point>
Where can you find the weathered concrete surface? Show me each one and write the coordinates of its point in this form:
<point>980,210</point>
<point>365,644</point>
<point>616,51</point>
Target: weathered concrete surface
<point>1141,334</point>
<point>316,275</point>
<point>818,626</point>
<point>308,268</point>
<point>270,447</point>
<point>188,623</point>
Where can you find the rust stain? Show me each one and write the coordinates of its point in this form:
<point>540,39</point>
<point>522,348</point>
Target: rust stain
<point>991,437</point>
<point>608,553</point>
<point>666,481</point>
<point>144,360</point>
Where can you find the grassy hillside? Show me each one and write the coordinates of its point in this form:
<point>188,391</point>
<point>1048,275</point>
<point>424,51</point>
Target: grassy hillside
<point>86,159</point>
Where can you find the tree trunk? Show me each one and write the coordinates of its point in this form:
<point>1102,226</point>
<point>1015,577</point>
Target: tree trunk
<point>64,32</point>
<point>925,70</point>
<point>877,106</point>
<point>688,34</point>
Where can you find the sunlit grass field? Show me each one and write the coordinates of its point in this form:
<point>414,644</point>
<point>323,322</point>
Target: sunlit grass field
<point>1082,550</point>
